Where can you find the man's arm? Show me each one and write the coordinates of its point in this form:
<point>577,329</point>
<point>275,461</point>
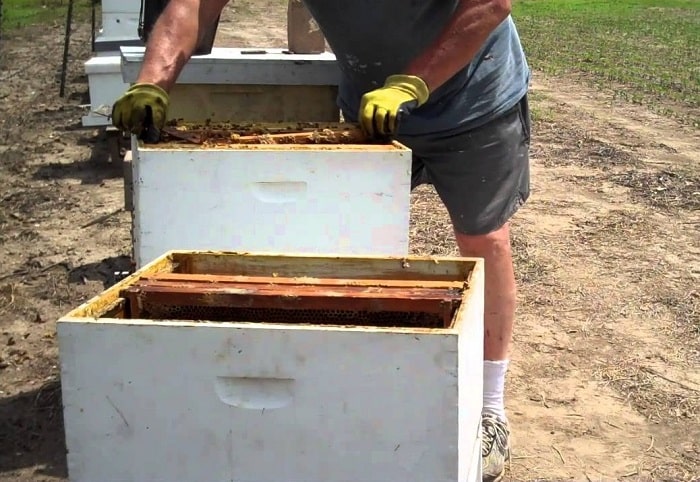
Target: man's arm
<point>472,23</point>
<point>174,38</point>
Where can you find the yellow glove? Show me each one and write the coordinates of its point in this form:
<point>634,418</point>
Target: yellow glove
<point>142,106</point>
<point>380,108</point>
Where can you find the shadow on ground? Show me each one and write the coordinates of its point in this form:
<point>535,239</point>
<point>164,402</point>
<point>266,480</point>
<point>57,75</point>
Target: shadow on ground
<point>92,169</point>
<point>31,432</point>
<point>106,271</point>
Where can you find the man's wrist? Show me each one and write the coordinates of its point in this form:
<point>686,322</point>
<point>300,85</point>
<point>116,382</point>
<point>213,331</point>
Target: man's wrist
<point>162,81</point>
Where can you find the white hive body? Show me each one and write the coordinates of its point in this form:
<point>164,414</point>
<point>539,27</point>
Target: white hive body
<point>105,85</point>
<point>263,85</point>
<point>338,199</point>
<point>154,399</point>
<point>117,27</point>
<point>251,85</point>
<point>120,18</point>
<point>305,199</point>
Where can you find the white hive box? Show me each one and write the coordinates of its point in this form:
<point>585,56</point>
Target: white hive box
<point>105,86</point>
<point>255,85</point>
<point>120,24</point>
<point>305,198</point>
<point>120,18</point>
<point>117,6</point>
<point>250,374</point>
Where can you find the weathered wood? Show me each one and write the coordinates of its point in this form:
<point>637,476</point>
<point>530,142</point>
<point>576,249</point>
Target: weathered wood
<point>254,103</point>
<point>252,295</point>
<point>225,129</point>
<point>299,291</point>
<point>128,182</point>
<point>103,304</point>
<point>303,280</point>
<point>347,135</point>
<point>303,33</point>
<point>197,268</point>
<point>318,266</point>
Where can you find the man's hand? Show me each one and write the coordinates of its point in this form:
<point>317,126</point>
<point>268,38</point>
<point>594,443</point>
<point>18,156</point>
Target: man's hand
<point>381,108</point>
<point>143,100</point>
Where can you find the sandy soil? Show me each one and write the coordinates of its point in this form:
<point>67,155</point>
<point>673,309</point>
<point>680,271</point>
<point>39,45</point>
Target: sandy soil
<point>604,382</point>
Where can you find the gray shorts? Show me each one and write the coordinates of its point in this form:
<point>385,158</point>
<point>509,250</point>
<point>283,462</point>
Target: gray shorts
<point>482,175</point>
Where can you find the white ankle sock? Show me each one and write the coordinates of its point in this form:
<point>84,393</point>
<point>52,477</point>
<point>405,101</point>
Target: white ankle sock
<point>494,383</point>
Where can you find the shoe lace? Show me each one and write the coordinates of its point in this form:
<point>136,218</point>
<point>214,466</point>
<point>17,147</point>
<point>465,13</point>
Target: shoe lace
<point>493,431</point>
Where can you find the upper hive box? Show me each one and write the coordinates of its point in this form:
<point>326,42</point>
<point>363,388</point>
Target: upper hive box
<point>258,187</point>
<point>252,85</point>
<point>209,366</point>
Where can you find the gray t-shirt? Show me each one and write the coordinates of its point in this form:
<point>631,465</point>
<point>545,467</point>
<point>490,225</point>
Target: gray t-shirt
<point>373,39</point>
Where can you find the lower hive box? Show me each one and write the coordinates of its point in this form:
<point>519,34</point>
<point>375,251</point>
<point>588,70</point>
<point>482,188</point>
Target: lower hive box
<point>219,366</point>
<point>279,187</point>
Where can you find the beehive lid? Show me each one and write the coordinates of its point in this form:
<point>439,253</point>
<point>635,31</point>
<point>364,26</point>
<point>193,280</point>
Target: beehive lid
<point>256,66</point>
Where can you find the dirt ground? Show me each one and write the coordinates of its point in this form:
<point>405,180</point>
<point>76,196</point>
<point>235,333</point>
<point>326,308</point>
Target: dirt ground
<point>605,378</point>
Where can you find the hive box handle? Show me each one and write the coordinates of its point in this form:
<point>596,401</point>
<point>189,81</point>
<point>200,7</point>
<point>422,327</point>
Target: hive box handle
<point>279,191</point>
<point>255,393</point>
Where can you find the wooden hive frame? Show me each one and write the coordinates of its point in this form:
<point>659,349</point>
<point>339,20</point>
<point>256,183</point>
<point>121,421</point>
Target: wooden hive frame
<point>370,291</point>
<point>259,298</point>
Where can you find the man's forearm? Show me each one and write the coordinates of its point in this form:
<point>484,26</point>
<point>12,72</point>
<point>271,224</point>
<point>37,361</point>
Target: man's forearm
<point>456,46</point>
<point>174,39</point>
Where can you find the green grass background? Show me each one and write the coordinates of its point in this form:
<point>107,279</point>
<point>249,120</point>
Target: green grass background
<point>647,51</point>
<point>20,13</point>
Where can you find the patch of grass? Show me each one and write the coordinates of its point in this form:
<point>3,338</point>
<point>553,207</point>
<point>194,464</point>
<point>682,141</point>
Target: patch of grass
<point>646,51</point>
<point>543,114</point>
<point>23,13</point>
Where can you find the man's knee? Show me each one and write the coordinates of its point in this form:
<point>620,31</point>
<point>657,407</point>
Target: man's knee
<point>483,245</point>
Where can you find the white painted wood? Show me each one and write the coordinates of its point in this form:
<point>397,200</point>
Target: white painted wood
<point>120,24</point>
<point>242,66</point>
<point>471,360</point>
<point>120,18</point>
<point>105,86</point>
<point>313,200</point>
<point>475,467</point>
<point>252,402</point>
<point>119,6</point>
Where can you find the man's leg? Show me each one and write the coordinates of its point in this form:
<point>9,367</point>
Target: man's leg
<point>482,177</point>
<point>500,287</point>
<point>499,313</point>
<point>499,309</point>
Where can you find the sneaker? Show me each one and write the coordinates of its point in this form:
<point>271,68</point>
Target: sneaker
<point>495,447</point>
